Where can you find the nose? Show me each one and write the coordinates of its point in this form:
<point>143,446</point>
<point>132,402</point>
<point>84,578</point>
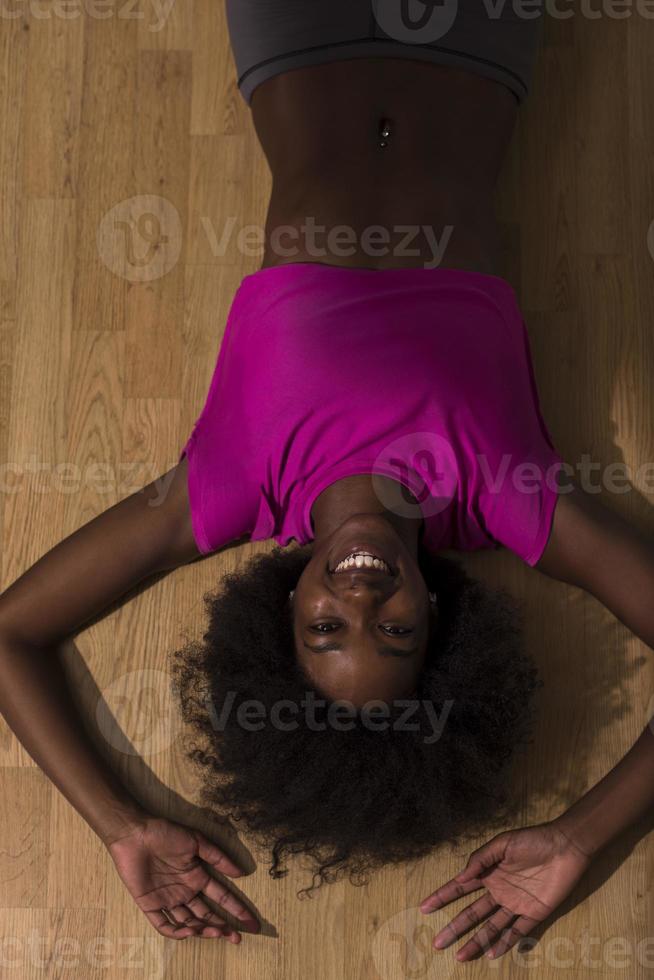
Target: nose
<point>363,582</point>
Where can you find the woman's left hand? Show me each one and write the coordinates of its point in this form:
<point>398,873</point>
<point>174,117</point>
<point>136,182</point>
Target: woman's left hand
<point>527,873</point>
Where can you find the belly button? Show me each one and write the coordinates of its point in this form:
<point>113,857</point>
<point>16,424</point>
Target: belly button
<point>384,132</point>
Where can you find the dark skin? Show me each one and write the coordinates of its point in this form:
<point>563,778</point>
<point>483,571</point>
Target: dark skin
<point>449,133</point>
<point>318,128</point>
<point>361,635</point>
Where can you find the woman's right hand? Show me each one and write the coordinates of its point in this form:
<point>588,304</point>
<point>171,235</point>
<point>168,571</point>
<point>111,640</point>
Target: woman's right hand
<point>161,865</point>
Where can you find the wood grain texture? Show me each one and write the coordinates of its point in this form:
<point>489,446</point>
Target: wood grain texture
<point>125,149</point>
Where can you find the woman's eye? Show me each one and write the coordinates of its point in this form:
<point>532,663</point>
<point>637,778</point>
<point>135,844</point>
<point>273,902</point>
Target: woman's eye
<point>392,630</point>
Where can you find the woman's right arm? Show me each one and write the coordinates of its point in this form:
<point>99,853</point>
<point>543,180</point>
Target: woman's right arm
<point>146,533</point>
<point>162,864</point>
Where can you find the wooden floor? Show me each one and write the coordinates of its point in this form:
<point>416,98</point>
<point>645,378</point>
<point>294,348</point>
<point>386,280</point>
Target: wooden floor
<point>104,366</point>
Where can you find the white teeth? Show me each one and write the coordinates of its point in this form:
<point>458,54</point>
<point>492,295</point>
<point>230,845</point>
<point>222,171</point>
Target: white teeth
<point>362,560</point>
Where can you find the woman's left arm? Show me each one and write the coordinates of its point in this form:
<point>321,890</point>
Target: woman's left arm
<point>527,873</point>
<point>595,549</point>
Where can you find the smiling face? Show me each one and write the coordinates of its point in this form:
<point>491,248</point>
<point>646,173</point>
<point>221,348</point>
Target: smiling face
<point>361,629</point>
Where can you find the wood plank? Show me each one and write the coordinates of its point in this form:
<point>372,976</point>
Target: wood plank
<point>124,153</point>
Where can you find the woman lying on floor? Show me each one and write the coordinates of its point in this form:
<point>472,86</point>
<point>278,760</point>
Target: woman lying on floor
<point>357,695</point>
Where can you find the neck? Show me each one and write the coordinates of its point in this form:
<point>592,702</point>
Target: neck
<point>354,495</point>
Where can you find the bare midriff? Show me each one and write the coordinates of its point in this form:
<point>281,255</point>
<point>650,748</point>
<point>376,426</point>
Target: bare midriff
<point>382,163</point>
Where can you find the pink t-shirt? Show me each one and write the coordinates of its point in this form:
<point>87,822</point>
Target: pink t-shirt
<point>422,375</point>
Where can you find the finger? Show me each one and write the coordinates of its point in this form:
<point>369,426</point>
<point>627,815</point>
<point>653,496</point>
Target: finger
<point>516,931</point>
<point>213,855</point>
<point>487,935</point>
<point>178,913</point>
<point>469,917</point>
<point>212,924</point>
<point>447,893</point>
<point>484,858</point>
<point>221,895</point>
<point>166,928</point>
<point>183,915</point>
<point>186,918</point>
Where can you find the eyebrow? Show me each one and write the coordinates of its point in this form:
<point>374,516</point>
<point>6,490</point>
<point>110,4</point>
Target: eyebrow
<point>384,651</point>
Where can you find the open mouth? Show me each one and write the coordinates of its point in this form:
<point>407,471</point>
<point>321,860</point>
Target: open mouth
<point>362,560</point>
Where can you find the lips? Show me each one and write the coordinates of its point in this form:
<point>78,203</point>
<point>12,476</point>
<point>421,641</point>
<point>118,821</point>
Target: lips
<point>363,572</point>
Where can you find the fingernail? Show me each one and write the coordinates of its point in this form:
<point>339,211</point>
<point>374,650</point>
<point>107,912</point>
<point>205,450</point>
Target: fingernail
<point>440,942</point>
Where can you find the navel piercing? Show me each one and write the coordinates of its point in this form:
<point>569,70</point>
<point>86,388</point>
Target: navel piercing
<point>384,132</point>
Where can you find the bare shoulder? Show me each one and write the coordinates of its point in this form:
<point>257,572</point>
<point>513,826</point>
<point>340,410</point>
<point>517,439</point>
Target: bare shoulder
<point>591,544</point>
<point>574,511</point>
<point>174,487</point>
<point>593,547</point>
